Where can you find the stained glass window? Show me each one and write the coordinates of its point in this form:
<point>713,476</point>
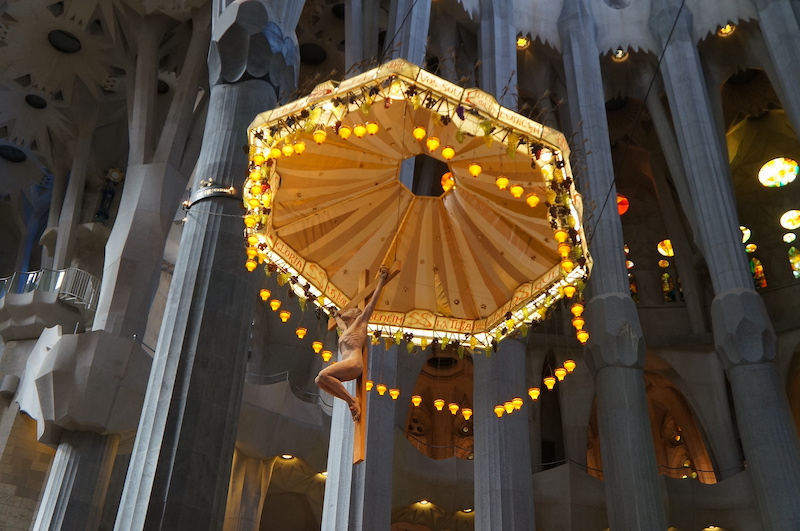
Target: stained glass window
<point>758,272</point>
<point>778,172</point>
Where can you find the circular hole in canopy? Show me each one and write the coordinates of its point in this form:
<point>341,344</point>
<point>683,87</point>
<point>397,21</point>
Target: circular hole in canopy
<point>64,41</point>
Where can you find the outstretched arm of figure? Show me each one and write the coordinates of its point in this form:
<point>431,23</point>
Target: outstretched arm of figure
<point>373,301</point>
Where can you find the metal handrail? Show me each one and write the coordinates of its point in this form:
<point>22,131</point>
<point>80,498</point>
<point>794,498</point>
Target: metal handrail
<point>72,284</point>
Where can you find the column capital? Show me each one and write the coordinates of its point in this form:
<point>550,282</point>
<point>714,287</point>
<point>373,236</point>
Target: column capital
<point>615,335</point>
<point>663,16</point>
<point>246,44</point>
<point>743,333</point>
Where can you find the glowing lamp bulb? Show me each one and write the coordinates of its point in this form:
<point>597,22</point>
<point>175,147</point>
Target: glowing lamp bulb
<point>274,153</point>
<point>256,189</point>
<point>567,265</point>
<point>577,309</point>
<point>564,249</point>
<point>570,365</point>
<point>301,332</point>
<point>381,388</point>
<point>508,406</point>
<point>287,150</point>
<point>474,168</point>
<point>284,315</point>
<point>432,143</point>
<point>447,181</point>
<point>550,382</point>
<point>561,235</point>
<point>360,130</point>
<point>250,221</point>
<point>258,159</point>
<point>532,200</point>
<point>569,291</point>
<point>439,403</point>
<point>578,322</point>
<point>254,175</point>
<point>517,402</point>
<point>583,336</point>
<point>250,265</point>
<point>317,346</point>
<point>345,132</point>
<point>274,304</point>
<point>252,239</point>
<point>264,294</point>
<point>368,385</point>
<point>560,373</point>
<point>394,393</point>
<point>299,147</point>
<point>516,190</point>
<point>453,407</point>
<point>372,128</point>
<point>326,355</point>
<point>319,136</point>
<point>251,252</point>
<point>416,400</point>
<point>448,152</point>
<point>419,132</point>
<point>534,393</point>
<point>498,410</point>
<point>501,182</point>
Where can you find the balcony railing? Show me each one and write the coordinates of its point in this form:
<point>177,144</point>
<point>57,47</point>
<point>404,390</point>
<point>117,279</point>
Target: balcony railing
<point>72,285</point>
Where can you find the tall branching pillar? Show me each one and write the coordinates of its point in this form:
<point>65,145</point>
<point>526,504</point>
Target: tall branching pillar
<point>743,333</point>
<point>616,347</point>
<point>180,466</point>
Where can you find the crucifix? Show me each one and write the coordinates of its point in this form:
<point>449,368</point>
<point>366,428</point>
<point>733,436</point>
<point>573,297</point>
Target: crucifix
<point>353,361</point>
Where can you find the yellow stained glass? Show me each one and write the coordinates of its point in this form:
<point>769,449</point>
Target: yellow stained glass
<point>665,248</point>
<point>790,219</point>
<point>745,233</point>
<point>778,172</point>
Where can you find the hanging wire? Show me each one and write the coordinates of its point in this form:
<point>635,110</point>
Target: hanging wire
<point>611,187</point>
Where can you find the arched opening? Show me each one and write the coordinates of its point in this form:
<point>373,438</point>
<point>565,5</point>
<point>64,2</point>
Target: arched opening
<point>680,446</point>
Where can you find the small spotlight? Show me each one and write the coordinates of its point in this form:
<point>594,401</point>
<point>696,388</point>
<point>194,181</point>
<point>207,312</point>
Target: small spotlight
<point>424,502</point>
<point>287,456</point>
<point>620,55</point>
<point>522,42</point>
<point>467,510</point>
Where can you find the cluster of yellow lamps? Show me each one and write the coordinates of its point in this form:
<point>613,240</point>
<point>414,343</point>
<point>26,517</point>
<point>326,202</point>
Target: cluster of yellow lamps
<point>508,407</point>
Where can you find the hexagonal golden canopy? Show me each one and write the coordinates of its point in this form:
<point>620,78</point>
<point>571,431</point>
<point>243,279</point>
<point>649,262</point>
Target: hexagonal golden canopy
<point>326,201</point>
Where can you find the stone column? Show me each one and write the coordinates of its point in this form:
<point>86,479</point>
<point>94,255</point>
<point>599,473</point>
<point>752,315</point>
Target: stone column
<point>498,52</point>
<point>250,479</point>
<point>407,32</point>
<point>575,396</point>
<point>339,483</point>
<point>743,333</point>
<point>504,479</point>
<point>180,465</point>
<point>372,478</point>
<point>616,346</point>
<point>780,28</point>
<point>76,486</point>
<point>361,29</point>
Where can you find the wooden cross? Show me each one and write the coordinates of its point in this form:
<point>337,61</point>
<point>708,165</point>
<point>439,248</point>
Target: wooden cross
<point>366,288</point>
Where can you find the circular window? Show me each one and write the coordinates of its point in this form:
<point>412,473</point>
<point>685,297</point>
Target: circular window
<point>789,237</point>
<point>750,247</point>
<point>629,264</point>
<point>778,172</point>
<point>790,219</point>
<point>745,233</point>
<point>64,41</point>
<point>12,154</point>
<point>665,248</point>
<point>37,102</point>
<point>622,204</point>
<point>663,263</point>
